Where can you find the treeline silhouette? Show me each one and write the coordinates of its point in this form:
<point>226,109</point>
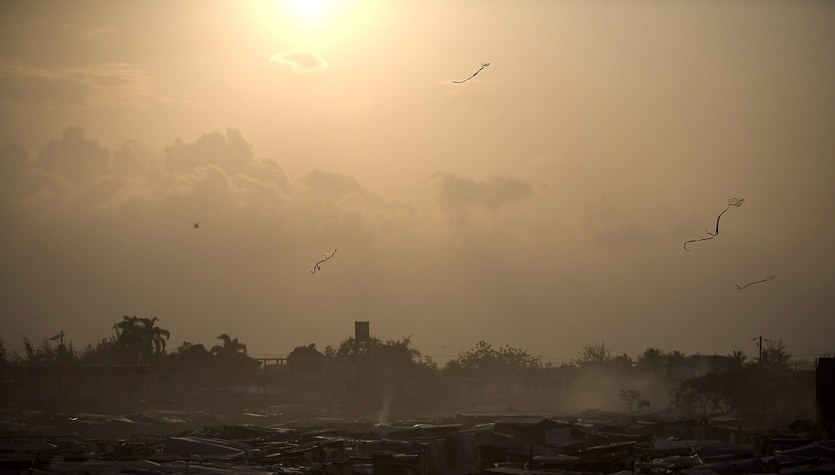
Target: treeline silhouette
<point>394,374</point>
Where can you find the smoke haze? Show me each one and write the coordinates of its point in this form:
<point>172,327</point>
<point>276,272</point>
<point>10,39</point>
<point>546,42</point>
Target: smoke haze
<point>542,205</point>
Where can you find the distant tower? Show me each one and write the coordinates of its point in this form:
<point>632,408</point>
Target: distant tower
<point>361,332</point>
<point>361,336</point>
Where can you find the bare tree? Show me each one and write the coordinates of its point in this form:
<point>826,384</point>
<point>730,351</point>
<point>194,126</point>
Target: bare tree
<point>594,353</point>
<point>632,399</point>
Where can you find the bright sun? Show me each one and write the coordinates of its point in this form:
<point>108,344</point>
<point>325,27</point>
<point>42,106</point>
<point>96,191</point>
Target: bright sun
<point>305,13</point>
<point>308,11</point>
<point>310,23</point>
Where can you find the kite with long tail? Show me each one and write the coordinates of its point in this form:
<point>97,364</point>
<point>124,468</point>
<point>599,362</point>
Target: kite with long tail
<point>327,256</point>
<point>483,65</point>
<point>770,277</point>
<point>732,202</point>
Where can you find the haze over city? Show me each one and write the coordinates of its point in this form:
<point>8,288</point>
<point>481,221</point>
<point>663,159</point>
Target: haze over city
<point>542,204</point>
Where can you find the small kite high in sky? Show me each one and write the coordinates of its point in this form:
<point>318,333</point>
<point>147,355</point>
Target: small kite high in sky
<point>770,277</point>
<point>197,225</point>
<point>327,256</point>
<point>483,65</point>
<point>732,203</point>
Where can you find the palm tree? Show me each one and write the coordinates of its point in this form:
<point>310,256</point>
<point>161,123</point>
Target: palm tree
<point>737,359</point>
<point>139,336</point>
<point>158,336</point>
<point>233,365</point>
<point>230,346</point>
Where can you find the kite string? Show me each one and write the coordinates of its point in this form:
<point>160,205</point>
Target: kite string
<point>770,277</point>
<point>362,289</point>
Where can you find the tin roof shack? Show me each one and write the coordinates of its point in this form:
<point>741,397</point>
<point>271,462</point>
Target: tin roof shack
<point>93,388</point>
<point>442,447</point>
<point>533,430</point>
<point>445,446</point>
<point>513,440</point>
<point>397,464</point>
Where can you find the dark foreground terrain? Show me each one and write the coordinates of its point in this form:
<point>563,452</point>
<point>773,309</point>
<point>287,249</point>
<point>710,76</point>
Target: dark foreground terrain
<point>171,442</point>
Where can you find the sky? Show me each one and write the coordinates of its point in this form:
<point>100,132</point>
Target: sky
<point>542,204</point>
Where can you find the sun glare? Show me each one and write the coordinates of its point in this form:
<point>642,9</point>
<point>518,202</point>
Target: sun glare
<point>303,13</point>
<point>306,20</point>
<point>315,24</point>
<point>308,11</point>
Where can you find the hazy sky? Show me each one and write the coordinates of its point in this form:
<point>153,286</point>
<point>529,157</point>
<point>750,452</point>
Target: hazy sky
<point>542,204</point>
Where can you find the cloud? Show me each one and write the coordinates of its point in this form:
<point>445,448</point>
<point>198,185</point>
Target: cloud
<point>270,171</point>
<point>456,192</point>
<point>13,166</point>
<point>118,84</point>
<point>44,90</point>
<point>75,174</point>
<point>66,31</point>
<point>12,157</point>
<point>24,188</point>
<point>334,185</point>
<point>230,152</point>
<point>335,201</point>
<point>300,61</point>
<point>609,225</point>
<point>74,157</point>
<point>93,32</point>
<point>132,159</point>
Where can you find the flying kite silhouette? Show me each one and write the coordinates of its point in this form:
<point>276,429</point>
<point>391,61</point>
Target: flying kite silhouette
<point>736,203</point>
<point>197,225</point>
<point>770,277</point>
<point>732,202</point>
<point>483,65</point>
<point>327,256</point>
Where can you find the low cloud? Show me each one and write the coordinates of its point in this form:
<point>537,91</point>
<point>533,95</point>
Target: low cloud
<point>118,84</point>
<point>230,152</point>
<point>74,157</point>
<point>217,171</point>
<point>66,31</point>
<point>456,192</point>
<point>609,225</point>
<point>300,61</point>
<point>334,185</point>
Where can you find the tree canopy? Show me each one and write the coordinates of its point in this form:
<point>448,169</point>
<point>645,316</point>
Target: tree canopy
<point>486,359</point>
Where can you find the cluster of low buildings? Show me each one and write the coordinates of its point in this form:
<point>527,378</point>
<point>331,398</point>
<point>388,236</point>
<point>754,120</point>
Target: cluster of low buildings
<point>174,442</point>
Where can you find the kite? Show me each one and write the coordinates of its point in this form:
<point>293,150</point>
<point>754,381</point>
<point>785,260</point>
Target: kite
<point>483,65</point>
<point>327,256</point>
<point>732,202</point>
<point>736,203</point>
<point>197,225</point>
<point>697,240</point>
<point>770,277</point>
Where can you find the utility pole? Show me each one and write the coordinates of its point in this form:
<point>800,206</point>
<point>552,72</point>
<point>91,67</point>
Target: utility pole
<point>761,393</point>
<point>59,337</point>
<point>760,345</point>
